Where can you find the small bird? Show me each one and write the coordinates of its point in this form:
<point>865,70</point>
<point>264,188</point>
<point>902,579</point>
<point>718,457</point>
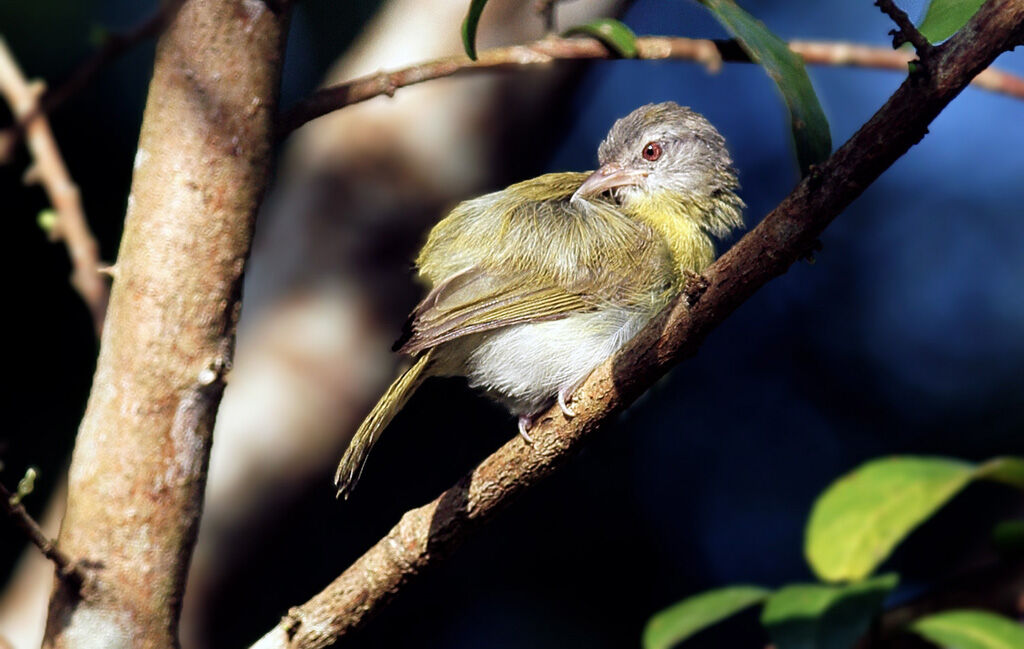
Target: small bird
<point>532,287</point>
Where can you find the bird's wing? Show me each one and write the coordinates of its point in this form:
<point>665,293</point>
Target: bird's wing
<point>527,254</point>
<point>476,300</point>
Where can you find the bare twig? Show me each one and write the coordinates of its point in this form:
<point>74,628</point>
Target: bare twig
<point>114,46</point>
<point>548,50</point>
<point>67,568</point>
<point>427,534</point>
<point>49,170</point>
<point>907,32</point>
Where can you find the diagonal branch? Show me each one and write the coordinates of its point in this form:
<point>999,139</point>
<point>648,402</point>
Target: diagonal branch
<point>67,568</point>
<point>427,534</point>
<point>553,48</point>
<point>49,170</point>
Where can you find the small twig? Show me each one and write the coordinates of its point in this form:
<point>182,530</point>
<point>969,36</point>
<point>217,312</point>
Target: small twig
<point>114,45</point>
<point>67,568</point>
<point>49,170</point>
<point>708,52</point>
<point>907,32</point>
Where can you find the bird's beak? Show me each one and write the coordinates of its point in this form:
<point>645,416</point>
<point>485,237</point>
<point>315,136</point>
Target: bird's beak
<point>607,177</point>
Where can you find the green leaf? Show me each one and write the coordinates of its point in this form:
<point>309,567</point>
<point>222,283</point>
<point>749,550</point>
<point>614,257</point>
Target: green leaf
<point>861,517</point>
<point>969,629</point>
<point>1008,470</point>
<point>818,616</point>
<point>683,619</point>
<point>47,220</point>
<point>945,17</point>
<point>807,120</point>
<point>619,38</point>
<point>1008,537</point>
<point>469,25</point>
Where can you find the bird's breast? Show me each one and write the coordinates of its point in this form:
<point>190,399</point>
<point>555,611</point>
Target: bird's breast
<point>525,366</point>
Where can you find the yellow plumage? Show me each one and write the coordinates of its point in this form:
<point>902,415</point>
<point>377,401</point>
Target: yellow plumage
<point>534,286</point>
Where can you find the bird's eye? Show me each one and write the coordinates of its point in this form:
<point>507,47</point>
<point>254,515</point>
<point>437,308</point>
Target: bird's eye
<point>652,151</point>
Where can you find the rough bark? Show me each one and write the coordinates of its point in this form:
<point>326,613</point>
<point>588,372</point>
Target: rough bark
<point>139,465</point>
<point>427,534</point>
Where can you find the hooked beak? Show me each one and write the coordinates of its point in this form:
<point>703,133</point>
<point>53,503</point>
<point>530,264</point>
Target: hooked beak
<point>607,177</point>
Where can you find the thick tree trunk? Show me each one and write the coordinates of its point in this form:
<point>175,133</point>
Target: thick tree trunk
<point>139,466</point>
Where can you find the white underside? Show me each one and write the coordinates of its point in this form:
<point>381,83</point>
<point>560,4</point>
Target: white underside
<point>525,366</point>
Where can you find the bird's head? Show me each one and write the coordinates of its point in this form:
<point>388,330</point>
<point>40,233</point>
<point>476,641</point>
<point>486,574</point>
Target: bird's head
<point>661,150</point>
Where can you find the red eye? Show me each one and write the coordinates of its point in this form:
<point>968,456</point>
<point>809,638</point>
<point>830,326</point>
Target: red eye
<point>652,151</point>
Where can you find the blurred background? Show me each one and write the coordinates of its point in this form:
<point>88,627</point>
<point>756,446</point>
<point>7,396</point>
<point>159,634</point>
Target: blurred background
<point>905,336</point>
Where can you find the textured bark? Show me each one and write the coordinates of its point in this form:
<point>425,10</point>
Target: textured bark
<point>139,465</point>
<point>787,234</point>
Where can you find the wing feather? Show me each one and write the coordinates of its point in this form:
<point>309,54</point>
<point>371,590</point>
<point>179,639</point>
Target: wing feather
<point>526,255</point>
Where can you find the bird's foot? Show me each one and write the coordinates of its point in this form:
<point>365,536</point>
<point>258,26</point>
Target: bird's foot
<point>525,424</point>
<point>563,397</point>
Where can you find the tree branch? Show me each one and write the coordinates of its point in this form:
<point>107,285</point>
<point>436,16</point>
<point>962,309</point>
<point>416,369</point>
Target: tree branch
<point>67,568</point>
<point>553,48</point>
<point>114,46</point>
<point>426,534</point>
<point>138,471</point>
<point>50,171</point>
<point>907,32</point>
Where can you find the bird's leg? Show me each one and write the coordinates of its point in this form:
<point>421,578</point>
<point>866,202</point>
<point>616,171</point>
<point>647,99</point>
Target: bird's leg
<point>525,424</point>
<point>564,395</point>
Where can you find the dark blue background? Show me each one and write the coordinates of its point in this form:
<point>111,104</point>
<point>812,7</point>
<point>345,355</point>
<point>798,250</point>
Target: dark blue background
<point>906,336</point>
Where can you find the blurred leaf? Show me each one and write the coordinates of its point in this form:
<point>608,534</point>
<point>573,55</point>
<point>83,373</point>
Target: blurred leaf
<point>945,17</point>
<point>968,629</point>
<point>683,619</point>
<point>818,616</point>
<point>1008,470</point>
<point>98,35</point>
<point>807,119</point>
<point>861,517</point>
<point>469,25</point>
<point>47,220</point>
<point>1008,537</point>
<point>618,37</point>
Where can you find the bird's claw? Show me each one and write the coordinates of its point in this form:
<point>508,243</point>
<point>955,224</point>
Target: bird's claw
<point>525,423</point>
<point>563,406</point>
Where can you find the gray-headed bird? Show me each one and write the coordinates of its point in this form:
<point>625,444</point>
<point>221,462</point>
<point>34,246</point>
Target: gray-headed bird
<point>532,287</point>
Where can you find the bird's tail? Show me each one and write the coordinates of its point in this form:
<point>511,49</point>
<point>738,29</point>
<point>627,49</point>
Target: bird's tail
<point>352,463</point>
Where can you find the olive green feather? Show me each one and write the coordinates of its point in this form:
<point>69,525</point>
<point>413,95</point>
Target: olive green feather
<point>351,466</point>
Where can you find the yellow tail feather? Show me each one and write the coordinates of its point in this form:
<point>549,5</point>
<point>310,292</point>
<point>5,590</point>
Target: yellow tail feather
<point>352,463</point>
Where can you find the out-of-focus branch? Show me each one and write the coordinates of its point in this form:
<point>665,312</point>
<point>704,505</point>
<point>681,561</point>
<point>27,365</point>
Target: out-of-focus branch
<point>48,169</point>
<point>546,10</point>
<point>138,471</point>
<point>427,534</point>
<point>114,46</point>
<point>553,48</point>
<point>67,568</point>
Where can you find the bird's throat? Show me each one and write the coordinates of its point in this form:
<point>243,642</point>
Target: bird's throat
<point>680,221</point>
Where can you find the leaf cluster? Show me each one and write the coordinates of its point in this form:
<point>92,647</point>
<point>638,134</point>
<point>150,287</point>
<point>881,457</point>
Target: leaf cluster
<point>853,528</point>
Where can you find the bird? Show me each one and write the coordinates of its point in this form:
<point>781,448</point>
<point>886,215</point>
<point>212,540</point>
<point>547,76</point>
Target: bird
<point>532,287</point>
